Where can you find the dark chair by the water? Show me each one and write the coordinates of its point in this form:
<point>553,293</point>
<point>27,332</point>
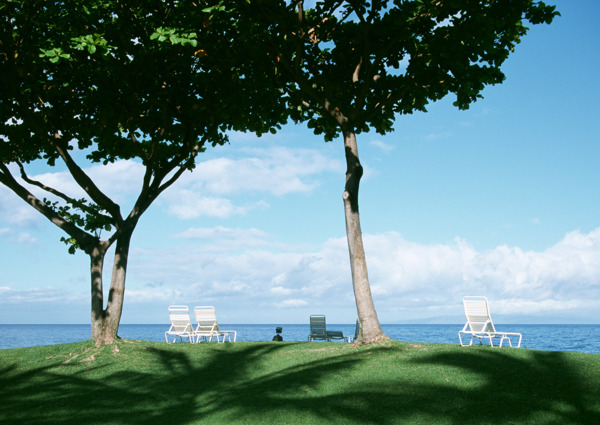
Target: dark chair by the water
<point>356,332</point>
<point>318,329</point>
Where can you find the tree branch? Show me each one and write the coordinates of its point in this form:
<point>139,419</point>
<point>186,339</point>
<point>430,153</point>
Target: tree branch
<point>85,240</point>
<point>84,181</point>
<point>56,192</point>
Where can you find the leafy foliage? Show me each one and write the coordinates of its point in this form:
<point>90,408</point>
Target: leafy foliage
<point>155,82</point>
<point>360,63</point>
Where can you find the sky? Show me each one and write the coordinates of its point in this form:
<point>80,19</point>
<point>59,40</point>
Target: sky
<point>501,200</point>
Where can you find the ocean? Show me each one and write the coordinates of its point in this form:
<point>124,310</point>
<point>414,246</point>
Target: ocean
<point>581,338</point>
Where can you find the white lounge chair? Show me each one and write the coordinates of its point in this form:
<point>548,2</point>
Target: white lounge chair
<point>479,323</point>
<point>207,326</point>
<point>181,325</point>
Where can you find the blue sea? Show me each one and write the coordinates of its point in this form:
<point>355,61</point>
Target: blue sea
<point>582,338</point>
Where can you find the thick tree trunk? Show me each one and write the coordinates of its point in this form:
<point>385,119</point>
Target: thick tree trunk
<point>105,321</point>
<point>370,328</point>
<point>97,320</point>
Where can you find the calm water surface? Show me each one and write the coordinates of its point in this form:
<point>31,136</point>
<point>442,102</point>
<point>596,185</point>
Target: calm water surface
<point>583,338</point>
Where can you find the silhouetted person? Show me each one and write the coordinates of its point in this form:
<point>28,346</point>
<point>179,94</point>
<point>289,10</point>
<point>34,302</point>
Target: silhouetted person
<point>278,337</point>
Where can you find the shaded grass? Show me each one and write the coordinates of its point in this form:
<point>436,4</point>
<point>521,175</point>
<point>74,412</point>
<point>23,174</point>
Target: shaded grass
<point>143,382</point>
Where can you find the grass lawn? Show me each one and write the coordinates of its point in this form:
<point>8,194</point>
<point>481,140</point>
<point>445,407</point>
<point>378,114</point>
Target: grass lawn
<point>142,382</point>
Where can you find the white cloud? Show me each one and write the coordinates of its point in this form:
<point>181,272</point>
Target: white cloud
<point>150,295</point>
<point>208,191</point>
<point>280,290</point>
<point>250,276</point>
<point>46,295</point>
<point>222,239</point>
<point>222,232</point>
<point>437,136</point>
<point>564,278</point>
<point>14,211</point>
<point>188,204</point>
<point>277,175</point>
<point>383,146</point>
<point>408,280</point>
<point>25,238</point>
<point>292,303</point>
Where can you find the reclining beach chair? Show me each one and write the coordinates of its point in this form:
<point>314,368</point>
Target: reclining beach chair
<point>334,335</point>
<point>317,328</point>
<point>356,332</point>
<point>479,323</point>
<point>207,326</point>
<point>181,325</point>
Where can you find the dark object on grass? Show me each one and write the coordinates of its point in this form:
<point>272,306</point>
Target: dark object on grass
<point>278,337</point>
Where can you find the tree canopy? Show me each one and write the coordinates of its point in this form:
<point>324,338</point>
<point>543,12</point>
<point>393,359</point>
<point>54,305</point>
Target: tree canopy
<point>373,60</point>
<point>84,82</point>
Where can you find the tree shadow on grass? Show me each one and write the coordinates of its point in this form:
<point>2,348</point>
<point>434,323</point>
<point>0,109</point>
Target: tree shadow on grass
<point>480,386</point>
<point>178,386</point>
<point>180,390</point>
<point>535,387</point>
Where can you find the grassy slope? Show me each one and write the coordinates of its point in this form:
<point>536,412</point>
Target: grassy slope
<point>284,383</point>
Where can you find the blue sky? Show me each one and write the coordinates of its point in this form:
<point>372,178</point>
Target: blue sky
<point>501,200</point>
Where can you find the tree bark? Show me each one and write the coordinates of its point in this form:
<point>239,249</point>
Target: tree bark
<point>96,264</point>
<point>105,321</point>
<point>370,328</point>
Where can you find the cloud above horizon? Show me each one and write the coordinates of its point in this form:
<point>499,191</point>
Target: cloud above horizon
<point>263,171</point>
<point>241,269</point>
<point>208,191</point>
<point>251,269</point>
<point>408,280</point>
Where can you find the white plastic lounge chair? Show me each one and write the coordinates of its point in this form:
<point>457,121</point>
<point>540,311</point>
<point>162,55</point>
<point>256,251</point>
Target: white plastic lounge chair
<point>317,328</point>
<point>207,326</point>
<point>479,323</point>
<point>181,325</point>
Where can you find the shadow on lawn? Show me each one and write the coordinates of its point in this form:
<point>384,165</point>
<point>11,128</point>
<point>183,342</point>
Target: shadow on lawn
<point>540,388</point>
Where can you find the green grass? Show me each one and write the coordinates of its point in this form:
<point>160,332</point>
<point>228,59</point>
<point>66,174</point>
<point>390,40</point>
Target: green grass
<point>296,383</point>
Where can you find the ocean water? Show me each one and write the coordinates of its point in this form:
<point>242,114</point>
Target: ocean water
<point>582,338</point>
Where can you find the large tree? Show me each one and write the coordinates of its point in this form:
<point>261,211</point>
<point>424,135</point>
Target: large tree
<point>351,66</point>
<point>98,81</point>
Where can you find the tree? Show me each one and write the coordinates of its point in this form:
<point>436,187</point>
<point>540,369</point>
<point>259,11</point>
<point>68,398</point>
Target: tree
<point>156,82</point>
<point>351,66</point>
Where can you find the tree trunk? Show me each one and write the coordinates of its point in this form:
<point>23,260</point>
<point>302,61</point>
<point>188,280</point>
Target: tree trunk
<point>97,262</point>
<point>370,328</point>
<point>105,322</point>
